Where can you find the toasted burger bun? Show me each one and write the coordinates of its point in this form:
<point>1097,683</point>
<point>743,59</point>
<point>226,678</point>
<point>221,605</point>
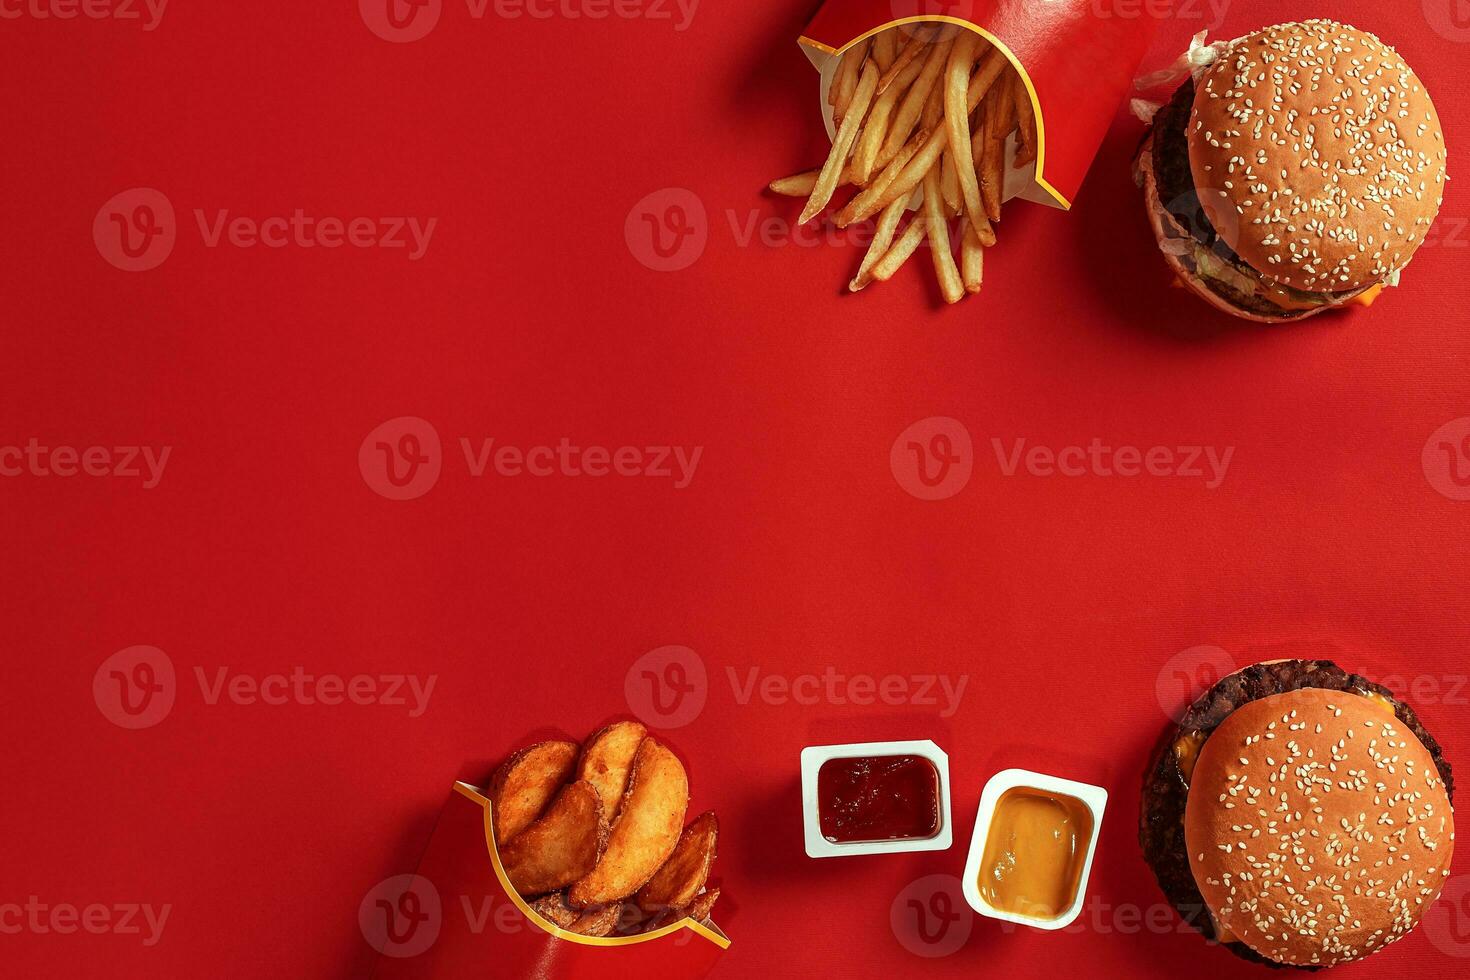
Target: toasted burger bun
<point>1318,155</point>
<point>1318,826</point>
<point>1167,230</point>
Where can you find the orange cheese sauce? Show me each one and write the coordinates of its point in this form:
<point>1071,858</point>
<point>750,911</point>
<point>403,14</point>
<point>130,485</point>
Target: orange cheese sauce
<point>1035,852</point>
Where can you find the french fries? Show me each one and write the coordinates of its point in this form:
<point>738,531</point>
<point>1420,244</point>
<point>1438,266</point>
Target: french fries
<point>972,258</point>
<point>844,82</point>
<point>910,51</point>
<point>944,267</point>
<point>915,99</point>
<point>846,135</point>
<point>1026,119</point>
<point>906,245</point>
<point>882,240</point>
<point>922,110</point>
<point>523,786</point>
<point>604,851</point>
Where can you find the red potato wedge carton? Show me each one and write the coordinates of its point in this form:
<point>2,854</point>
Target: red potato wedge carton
<point>1077,59</point>
<point>459,917</point>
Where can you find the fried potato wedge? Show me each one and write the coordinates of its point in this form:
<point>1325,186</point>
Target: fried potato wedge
<point>525,783</point>
<point>677,883</point>
<point>606,761</point>
<point>646,831</point>
<point>553,908</point>
<point>560,847</point>
<point>598,921</point>
<point>700,909</point>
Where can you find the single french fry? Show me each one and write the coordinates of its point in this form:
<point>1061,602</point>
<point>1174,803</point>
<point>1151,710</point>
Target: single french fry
<point>832,169</point>
<point>983,229</point>
<point>914,102</point>
<point>885,48</point>
<point>917,41</point>
<point>882,241</point>
<point>845,81</point>
<point>972,257</point>
<point>957,122</point>
<point>879,185</point>
<point>989,152</point>
<point>933,113</point>
<point>802,184</point>
<point>1026,119</point>
<point>949,185</point>
<point>865,157</point>
<point>867,204</point>
<point>944,266</point>
<point>906,245</point>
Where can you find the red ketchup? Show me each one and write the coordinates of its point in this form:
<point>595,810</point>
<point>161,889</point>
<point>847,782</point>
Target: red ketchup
<point>891,797</point>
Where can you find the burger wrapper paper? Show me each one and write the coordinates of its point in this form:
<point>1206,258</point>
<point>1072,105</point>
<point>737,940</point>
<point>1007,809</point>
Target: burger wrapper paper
<point>1076,57</point>
<point>459,917</point>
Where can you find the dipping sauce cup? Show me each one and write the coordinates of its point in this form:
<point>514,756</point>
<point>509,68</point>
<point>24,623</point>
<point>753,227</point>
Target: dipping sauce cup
<point>1032,850</point>
<point>874,798</point>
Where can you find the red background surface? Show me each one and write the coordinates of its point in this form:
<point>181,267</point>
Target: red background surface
<point>794,549</point>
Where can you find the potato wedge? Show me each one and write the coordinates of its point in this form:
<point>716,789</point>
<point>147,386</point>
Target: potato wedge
<point>646,831</point>
<point>598,921</point>
<point>682,876</point>
<point>553,908</point>
<point>699,910</point>
<point>606,760</point>
<point>525,783</point>
<point>560,847</point>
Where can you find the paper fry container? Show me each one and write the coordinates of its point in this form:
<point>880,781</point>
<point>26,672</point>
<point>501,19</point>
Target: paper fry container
<point>459,917</point>
<point>1076,57</point>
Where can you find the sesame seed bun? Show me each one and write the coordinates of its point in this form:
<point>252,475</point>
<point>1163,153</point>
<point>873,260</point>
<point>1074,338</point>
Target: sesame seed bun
<point>1318,827</point>
<point>1318,155</point>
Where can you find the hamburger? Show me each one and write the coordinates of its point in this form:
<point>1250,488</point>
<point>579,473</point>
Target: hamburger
<point>1300,815</point>
<point>1298,172</point>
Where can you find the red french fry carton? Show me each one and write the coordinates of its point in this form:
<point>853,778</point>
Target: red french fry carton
<point>458,916</point>
<point>1077,59</point>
